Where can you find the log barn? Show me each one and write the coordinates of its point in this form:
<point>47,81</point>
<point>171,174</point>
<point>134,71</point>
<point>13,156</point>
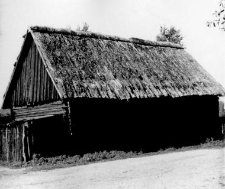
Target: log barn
<point>78,92</point>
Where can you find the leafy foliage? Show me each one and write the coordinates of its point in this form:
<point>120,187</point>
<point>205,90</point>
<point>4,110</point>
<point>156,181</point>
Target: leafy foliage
<point>170,35</point>
<point>85,27</point>
<point>219,17</point>
<point>46,163</point>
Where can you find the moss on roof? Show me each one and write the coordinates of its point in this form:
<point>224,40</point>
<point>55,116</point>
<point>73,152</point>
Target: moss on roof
<point>85,64</point>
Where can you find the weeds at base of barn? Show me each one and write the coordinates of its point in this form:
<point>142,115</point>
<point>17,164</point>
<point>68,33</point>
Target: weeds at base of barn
<point>48,163</point>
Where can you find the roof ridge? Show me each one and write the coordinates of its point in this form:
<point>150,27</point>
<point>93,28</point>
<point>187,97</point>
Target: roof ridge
<point>101,36</point>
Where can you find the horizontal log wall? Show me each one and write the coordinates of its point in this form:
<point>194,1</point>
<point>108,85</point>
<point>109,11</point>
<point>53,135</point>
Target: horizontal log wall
<point>32,84</point>
<point>37,112</point>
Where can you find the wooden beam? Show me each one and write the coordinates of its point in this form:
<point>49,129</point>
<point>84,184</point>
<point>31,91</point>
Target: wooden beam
<point>46,110</point>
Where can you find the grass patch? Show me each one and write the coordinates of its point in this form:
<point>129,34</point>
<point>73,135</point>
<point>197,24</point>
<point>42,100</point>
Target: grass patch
<point>47,163</point>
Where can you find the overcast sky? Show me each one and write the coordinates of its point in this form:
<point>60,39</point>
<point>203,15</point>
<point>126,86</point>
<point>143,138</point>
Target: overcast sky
<point>124,18</point>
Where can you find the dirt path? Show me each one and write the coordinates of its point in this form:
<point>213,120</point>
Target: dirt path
<point>192,169</point>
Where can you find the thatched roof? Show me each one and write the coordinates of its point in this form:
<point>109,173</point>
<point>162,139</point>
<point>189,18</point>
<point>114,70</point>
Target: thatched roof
<point>85,64</point>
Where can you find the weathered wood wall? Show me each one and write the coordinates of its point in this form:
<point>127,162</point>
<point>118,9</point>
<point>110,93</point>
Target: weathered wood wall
<point>31,83</point>
<point>16,141</point>
<point>11,144</point>
<point>34,130</point>
<point>41,111</point>
<point>46,135</point>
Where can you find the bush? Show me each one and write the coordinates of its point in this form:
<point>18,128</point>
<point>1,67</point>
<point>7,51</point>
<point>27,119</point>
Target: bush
<point>111,155</point>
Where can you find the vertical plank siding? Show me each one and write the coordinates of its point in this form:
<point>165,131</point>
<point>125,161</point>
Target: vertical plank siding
<point>20,140</point>
<point>33,84</point>
<point>11,143</point>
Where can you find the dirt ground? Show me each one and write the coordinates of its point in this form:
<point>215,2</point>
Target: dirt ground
<point>203,168</point>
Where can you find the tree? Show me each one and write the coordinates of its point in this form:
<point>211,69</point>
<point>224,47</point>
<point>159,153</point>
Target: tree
<point>84,28</point>
<point>219,17</point>
<point>170,35</point>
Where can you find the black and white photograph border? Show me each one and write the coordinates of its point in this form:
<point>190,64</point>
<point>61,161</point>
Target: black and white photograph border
<point>112,94</point>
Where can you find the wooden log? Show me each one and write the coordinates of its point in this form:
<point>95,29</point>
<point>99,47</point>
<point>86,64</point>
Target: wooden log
<point>27,78</point>
<point>38,108</point>
<point>39,111</point>
<point>20,146</point>
<point>14,144</point>
<point>32,72</point>
<point>39,79</point>
<point>24,143</point>
<point>21,87</point>
<point>30,76</point>
<point>29,111</point>
<point>36,73</point>
<point>28,144</point>
<point>10,143</point>
<point>3,144</point>
<point>48,85</point>
<point>69,116</point>
<point>221,110</point>
<point>16,95</point>
<point>14,98</point>
<point>52,90</point>
<point>17,144</point>
<point>6,144</point>
<point>45,84</point>
<point>47,114</point>
<point>18,91</point>
<point>23,81</point>
<point>59,102</point>
<point>0,144</point>
<point>31,139</point>
<point>10,133</point>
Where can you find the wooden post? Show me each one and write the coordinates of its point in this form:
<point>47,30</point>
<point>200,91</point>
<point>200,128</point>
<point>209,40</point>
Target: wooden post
<point>6,144</point>
<point>18,144</point>
<point>26,142</point>
<point>20,141</point>
<point>68,117</point>
<point>0,143</point>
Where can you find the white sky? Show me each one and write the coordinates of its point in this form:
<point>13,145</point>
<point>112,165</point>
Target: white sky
<point>124,18</point>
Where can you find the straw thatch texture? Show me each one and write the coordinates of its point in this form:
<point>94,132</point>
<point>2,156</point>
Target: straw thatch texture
<point>97,66</point>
